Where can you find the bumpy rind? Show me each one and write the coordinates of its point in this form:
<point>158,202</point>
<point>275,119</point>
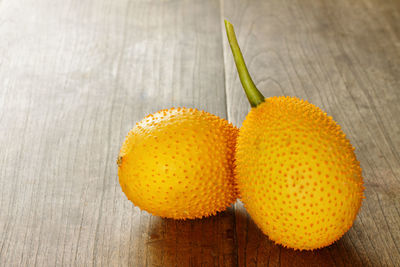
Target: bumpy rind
<point>178,163</point>
<point>297,174</point>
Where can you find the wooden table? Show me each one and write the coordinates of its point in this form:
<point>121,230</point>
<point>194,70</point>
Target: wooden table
<point>76,75</point>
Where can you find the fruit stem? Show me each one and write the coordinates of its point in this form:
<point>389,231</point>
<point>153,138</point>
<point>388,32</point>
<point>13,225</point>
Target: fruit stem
<point>253,95</point>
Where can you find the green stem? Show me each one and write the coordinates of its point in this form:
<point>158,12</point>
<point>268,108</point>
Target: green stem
<point>254,96</point>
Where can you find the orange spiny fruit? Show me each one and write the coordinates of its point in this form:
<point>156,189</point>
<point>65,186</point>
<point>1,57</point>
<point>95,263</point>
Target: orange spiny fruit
<point>296,172</point>
<point>178,163</point>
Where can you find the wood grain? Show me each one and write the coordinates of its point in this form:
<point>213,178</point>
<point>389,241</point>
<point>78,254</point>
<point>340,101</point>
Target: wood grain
<point>344,57</point>
<point>76,75</point>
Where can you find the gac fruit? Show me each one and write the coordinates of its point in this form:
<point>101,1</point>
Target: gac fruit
<point>296,171</point>
<point>178,163</point>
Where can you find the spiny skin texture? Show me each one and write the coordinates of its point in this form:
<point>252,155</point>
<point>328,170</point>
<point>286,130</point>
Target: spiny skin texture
<point>178,163</point>
<point>297,174</point>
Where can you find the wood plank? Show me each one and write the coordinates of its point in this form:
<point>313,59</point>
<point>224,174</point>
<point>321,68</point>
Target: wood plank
<point>75,77</point>
<point>344,57</point>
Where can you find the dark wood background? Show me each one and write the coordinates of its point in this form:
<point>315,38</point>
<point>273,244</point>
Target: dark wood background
<point>76,75</point>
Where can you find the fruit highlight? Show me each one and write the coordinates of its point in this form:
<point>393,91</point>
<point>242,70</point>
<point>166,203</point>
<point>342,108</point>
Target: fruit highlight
<point>296,171</point>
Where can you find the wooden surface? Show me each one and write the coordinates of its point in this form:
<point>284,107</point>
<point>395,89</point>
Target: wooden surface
<point>76,75</point>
